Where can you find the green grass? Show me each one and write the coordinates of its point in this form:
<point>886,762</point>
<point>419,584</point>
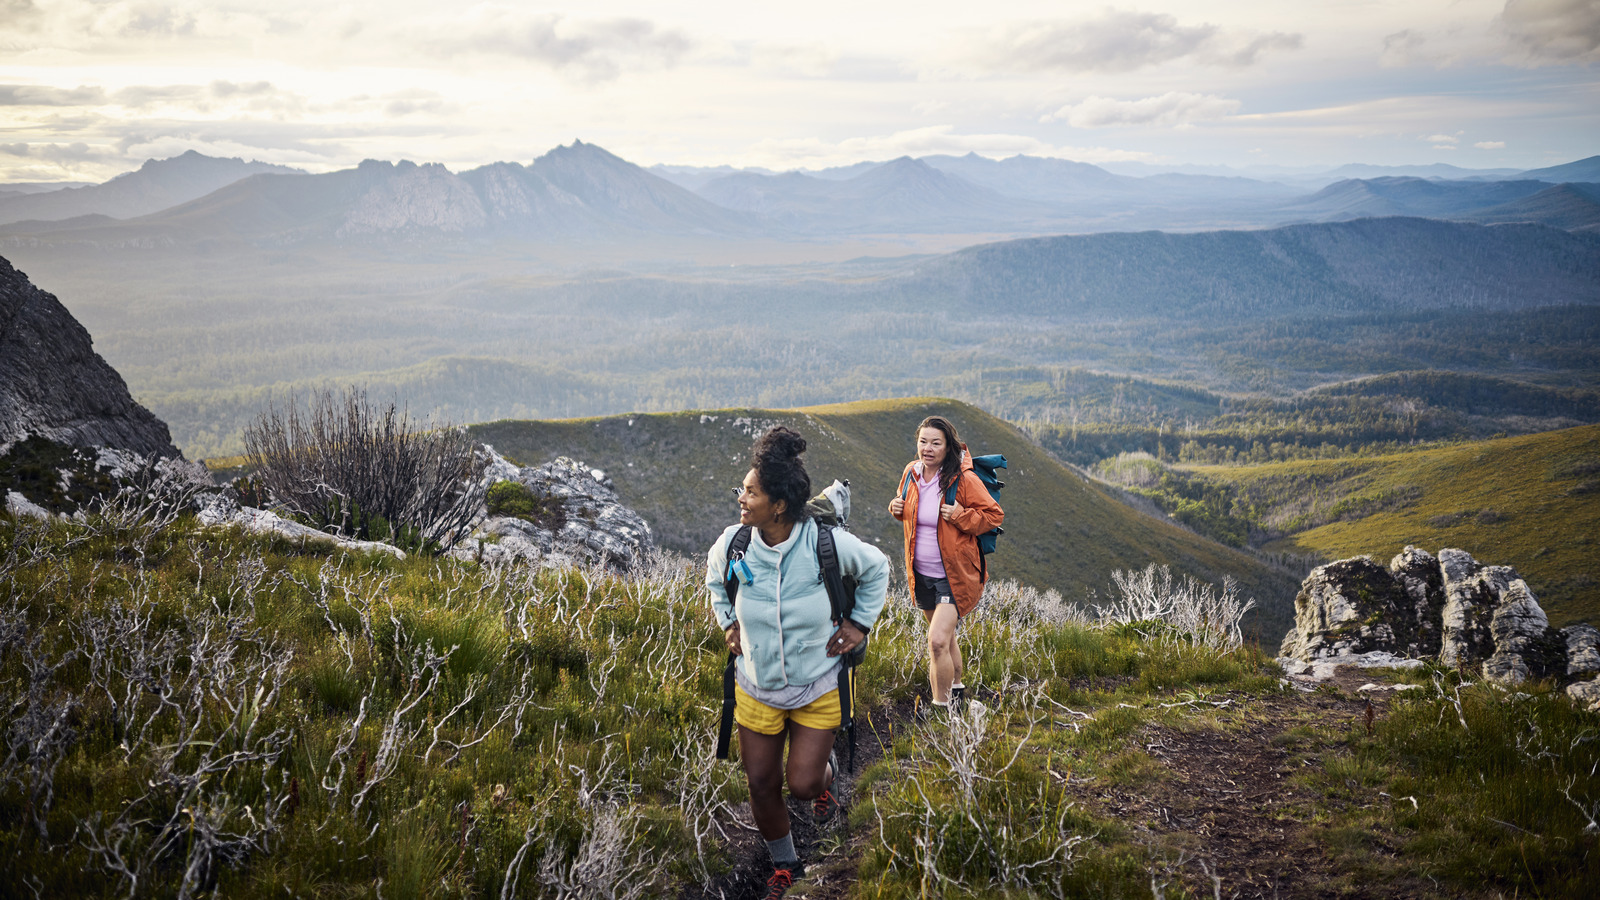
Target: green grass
<point>1532,502</point>
<point>1474,795</point>
<point>1061,532</point>
<point>620,678</point>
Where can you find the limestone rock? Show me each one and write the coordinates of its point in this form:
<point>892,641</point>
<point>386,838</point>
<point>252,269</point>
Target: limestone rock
<point>1350,607</point>
<point>1583,649</point>
<point>1586,694</point>
<point>594,526</point>
<point>18,505</point>
<point>1419,574</point>
<point>54,385</point>
<point>1525,646</point>
<point>222,510</point>
<point>1471,593</point>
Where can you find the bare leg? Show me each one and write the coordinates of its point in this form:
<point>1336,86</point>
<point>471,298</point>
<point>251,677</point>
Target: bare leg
<point>955,655</point>
<point>942,654</point>
<point>809,775</point>
<point>762,755</point>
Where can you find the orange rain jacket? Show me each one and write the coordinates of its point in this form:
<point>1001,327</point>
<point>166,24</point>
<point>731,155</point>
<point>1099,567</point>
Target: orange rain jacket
<point>958,539</point>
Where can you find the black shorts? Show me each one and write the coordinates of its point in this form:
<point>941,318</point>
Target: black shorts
<point>930,592</point>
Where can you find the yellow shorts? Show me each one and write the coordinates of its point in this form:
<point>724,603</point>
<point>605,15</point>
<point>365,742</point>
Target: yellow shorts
<point>821,713</point>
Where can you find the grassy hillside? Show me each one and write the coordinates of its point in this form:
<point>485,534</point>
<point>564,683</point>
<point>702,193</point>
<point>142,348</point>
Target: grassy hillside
<point>677,469</point>
<point>1531,501</point>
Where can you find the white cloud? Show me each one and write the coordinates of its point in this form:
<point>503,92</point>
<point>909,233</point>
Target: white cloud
<point>44,95</point>
<point>1403,48</point>
<point>1541,32</point>
<point>1121,41</point>
<point>1444,146</point>
<point>587,49</point>
<point>1490,145</point>
<point>1442,138</point>
<point>1174,108</point>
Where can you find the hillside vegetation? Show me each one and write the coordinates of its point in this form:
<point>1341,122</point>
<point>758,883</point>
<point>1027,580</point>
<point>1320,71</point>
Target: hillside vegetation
<point>1062,533</point>
<point>192,712</point>
<point>1531,501</point>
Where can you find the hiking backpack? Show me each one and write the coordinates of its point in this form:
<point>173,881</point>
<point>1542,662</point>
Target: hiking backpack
<point>830,508</point>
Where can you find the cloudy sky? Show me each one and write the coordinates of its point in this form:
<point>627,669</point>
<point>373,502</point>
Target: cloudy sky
<point>91,88</point>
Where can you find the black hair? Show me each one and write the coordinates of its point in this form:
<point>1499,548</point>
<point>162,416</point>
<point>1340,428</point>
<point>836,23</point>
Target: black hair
<point>776,461</point>
<point>950,469</point>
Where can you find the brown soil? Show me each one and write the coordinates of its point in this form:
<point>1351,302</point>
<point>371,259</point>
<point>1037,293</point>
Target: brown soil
<point>1221,813</point>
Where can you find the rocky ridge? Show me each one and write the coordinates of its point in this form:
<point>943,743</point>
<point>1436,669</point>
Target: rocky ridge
<point>54,385</point>
<point>1450,607</point>
<point>592,528</point>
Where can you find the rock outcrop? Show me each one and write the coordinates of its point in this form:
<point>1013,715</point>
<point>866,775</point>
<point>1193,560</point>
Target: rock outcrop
<point>53,384</point>
<point>1465,613</point>
<point>592,526</point>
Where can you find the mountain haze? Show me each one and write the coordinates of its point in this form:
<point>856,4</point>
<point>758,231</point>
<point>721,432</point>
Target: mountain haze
<point>1367,264</point>
<point>571,193</point>
<point>904,195</point>
<point>156,185</point>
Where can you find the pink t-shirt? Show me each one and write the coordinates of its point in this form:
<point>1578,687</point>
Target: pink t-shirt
<point>928,561</point>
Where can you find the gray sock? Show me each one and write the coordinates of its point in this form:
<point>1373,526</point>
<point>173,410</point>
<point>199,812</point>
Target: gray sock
<point>782,850</point>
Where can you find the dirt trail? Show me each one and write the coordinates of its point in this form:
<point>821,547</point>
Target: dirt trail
<point>1222,804</point>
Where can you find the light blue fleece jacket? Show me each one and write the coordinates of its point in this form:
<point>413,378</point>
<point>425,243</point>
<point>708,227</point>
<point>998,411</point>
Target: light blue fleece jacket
<point>783,613</point>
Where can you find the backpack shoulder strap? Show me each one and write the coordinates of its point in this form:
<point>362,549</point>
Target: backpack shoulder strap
<point>737,545</point>
<point>828,561</point>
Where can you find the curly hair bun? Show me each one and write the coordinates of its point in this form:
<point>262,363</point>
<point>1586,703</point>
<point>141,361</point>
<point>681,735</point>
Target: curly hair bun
<point>779,443</point>
<point>777,464</point>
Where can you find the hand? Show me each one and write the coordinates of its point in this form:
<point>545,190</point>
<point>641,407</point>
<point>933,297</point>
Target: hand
<point>847,638</point>
<point>897,507</point>
<point>732,637</point>
<point>948,512</point>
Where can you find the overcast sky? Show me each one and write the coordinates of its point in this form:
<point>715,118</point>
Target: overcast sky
<point>91,88</point>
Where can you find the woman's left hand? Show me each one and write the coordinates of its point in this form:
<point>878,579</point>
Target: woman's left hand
<point>845,639</point>
<point>949,511</point>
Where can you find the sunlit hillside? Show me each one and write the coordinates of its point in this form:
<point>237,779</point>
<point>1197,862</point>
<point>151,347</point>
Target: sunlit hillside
<point>677,469</point>
<point>1531,501</point>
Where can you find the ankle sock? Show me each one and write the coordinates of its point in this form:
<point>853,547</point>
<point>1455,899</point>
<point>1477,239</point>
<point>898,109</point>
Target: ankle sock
<point>782,851</point>
<point>937,703</point>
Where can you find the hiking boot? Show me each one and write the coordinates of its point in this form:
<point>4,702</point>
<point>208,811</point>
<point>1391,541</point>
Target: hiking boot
<point>823,807</point>
<point>782,879</point>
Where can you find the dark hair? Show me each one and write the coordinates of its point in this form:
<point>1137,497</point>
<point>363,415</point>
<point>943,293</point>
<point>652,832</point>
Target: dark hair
<point>950,469</point>
<point>776,461</point>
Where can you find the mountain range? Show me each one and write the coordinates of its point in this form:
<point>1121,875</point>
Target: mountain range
<point>158,184</point>
<point>583,193</point>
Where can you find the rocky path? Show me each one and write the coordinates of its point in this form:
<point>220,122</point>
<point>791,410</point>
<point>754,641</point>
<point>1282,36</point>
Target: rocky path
<point>1221,812</point>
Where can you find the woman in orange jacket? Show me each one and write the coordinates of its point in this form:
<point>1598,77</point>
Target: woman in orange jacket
<point>945,570</point>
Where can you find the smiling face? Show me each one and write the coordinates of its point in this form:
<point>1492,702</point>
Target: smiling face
<point>931,448</point>
<point>755,507</point>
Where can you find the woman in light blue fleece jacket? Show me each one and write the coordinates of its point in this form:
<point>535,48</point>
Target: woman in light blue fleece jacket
<point>786,645</point>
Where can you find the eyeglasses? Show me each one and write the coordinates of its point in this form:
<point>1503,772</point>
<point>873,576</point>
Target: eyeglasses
<point>739,491</point>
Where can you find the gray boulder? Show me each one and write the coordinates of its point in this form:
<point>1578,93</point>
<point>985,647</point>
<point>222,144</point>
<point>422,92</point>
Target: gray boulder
<point>1347,608</point>
<point>592,526</point>
<point>54,385</point>
<point>1419,575</point>
<point>1583,649</point>
<point>1525,646</point>
<point>1586,694</point>
<point>1471,592</point>
<point>1466,613</point>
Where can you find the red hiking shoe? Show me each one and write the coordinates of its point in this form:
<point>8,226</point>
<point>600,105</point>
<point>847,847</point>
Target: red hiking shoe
<point>779,883</point>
